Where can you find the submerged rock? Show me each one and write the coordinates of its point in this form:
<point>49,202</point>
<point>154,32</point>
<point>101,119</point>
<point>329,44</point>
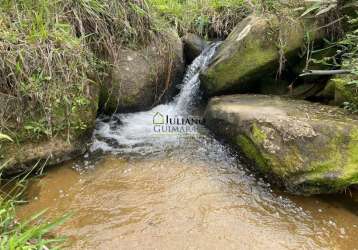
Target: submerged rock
<point>251,53</point>
<point>142,78</point>
<point>308,148</point>
<point>193,46</point>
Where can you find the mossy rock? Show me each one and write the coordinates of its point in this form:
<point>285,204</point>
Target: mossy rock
<point>251,52</point>
<point>308,148</point>
<point>328,92</point>
<point>144,77</point>
<point>342,88</point>
<point>344,92</point>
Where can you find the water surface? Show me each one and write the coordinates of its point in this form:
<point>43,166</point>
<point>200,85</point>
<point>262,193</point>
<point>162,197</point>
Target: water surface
<point>188,198</point>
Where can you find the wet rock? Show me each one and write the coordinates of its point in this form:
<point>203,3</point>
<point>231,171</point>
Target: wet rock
<point>24,156</point>
<point>143,78</point>
<point>250,53</point>
<point>193,46</point>
<point>308,148</point>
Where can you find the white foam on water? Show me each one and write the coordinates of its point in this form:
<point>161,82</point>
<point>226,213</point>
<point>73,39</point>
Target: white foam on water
<point>134,132</point>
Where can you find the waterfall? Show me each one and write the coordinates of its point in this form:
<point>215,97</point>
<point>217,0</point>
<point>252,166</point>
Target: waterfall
<point>135,133</point>
<point>191,82</point>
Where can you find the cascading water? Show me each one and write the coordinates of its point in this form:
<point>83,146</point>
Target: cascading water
<point>134,133</point>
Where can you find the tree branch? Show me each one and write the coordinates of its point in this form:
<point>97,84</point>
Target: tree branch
<point>325,72</point>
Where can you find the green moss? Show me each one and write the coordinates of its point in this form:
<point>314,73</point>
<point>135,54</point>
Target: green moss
<point>251,151</point>
<point>241,67</point>
<point>292,160</point>
<point>268,164</point>
<point>330,89</point>
<point>351,169</point>
<point>345,92</point>
<point>340,169</point>
<point>258,135</point>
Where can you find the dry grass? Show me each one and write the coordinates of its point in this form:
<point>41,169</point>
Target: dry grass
<point>107,25</point>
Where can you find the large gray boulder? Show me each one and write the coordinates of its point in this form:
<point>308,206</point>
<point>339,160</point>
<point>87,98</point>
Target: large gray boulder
<point>142,78</point>
<point>251,53</point>
<point>308,148</point>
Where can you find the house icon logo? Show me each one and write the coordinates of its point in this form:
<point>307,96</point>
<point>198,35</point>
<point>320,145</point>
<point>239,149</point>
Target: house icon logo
<point>158,119</point>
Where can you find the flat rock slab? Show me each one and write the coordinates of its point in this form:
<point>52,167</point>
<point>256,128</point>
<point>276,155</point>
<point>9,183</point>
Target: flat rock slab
<point>308,148</point>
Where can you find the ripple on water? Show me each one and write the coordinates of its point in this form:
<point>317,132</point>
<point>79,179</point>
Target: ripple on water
<point>183,198</point>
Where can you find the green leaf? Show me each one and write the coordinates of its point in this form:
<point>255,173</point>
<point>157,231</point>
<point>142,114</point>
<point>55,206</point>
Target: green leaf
<point>5,137</point>
<point>314,7</point>
<point>325,10</point>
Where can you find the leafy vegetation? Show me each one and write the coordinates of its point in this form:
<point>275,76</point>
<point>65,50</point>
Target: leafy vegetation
<point>348,47</point>
<point>208,18</point>
<point>43,69</point>
<point>344,26</point>
<point>107,24</point>
<point>216,18</point>
<point>29,234</point>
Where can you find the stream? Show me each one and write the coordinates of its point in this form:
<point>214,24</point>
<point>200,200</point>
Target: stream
<point>159,180</point>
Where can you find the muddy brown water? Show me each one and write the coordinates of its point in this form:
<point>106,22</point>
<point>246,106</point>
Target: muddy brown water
<point>188,198</point>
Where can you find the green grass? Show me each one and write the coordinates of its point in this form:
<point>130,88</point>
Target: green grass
<point>28,234</point>
<point>44,69</point>
<point>216,18</point>
<point>208,18</point>
<point>32,233</point>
